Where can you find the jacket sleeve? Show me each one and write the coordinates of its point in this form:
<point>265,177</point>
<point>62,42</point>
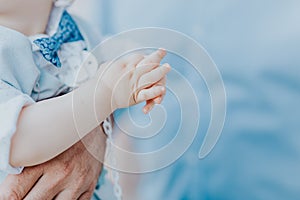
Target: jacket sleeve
<point>18,76</point>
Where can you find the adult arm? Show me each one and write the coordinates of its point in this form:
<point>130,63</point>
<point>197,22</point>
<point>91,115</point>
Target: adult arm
<point>71,175</point>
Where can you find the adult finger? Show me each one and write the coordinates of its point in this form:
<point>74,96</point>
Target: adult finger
<point>45,188</point>
<point>68,194</point>
<point>19,185</point>
<point>76,191</point>
<point>87,195</point>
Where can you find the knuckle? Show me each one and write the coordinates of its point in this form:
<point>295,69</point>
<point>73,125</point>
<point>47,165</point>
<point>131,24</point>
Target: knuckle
<point>118,64</point>
<point>84,171</point>
<point>123,65</point>
<point>63,174</point>
<point>144,95</point>
<point>67,169</point>
<point>135,57</point>
<point>158,91</point>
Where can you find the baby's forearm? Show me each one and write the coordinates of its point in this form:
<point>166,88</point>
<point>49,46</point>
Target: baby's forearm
<point>49,127</point>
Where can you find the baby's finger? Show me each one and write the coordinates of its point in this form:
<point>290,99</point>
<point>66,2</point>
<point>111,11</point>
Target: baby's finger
<point>150,93</point>
<point>134,60</point>
<point>130,58</point>
<point>149,105</point>
<point>154,76</point>
<point>150,62</point>
<point>158,99</point>
<point>154,57</point>
<point>162,81</point>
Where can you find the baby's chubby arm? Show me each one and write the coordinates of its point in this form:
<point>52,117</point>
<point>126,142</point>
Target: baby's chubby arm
<point>49,127</point>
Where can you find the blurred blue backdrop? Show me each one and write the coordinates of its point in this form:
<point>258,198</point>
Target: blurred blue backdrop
<point>256,46</point>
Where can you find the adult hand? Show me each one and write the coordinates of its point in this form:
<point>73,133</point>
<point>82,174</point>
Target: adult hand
<point>71,175</point>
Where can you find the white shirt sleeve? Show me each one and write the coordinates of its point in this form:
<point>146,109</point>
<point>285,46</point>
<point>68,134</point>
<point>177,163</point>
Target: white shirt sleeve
<point>18,76</point>
<point>11,103</point>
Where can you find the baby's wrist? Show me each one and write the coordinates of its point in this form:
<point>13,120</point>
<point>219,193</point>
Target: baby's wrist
<point>104,96</point>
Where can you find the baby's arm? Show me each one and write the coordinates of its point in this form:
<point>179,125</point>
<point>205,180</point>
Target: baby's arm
<point>47,128</point>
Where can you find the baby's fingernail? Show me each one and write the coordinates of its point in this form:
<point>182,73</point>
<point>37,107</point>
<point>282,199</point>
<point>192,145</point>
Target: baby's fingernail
<point>162,52</point>
<point>167,65</point>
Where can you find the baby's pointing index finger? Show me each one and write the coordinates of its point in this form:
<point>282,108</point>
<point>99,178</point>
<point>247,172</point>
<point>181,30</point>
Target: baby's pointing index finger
<point>149,63</point>
<point>155,57</point>
<point>161,52</point>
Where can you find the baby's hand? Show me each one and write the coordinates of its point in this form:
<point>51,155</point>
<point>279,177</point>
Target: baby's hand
<point>157,100</point>
<point>137,78</point>
<point>152,92</point>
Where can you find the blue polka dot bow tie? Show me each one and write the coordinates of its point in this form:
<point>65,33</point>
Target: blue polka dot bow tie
<point>67,32</point>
